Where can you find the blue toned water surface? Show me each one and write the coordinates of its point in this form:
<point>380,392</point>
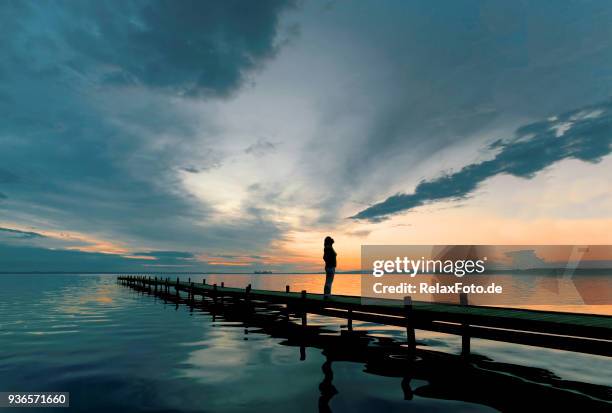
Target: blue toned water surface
<point>117,349</point>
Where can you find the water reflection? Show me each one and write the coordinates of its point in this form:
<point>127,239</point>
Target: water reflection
<point>428,374</point>
<point>146,352</point>
<point>327,388</point>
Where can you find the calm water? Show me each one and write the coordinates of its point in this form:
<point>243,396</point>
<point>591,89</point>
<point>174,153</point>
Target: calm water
<point>115,349</point>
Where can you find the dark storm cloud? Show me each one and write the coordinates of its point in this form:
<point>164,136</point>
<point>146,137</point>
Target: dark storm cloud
<point>87,154</point>
<point>185,47</point>
<point>584,134</point>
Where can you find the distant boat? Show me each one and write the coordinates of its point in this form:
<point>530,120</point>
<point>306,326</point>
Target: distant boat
<point>263,272</point>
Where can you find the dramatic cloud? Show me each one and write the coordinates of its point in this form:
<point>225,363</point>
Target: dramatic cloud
<point>425,85</point>
<point>97,126</point>
<point>234,130</point>
<point>188,47</point>
<point>584,134</point>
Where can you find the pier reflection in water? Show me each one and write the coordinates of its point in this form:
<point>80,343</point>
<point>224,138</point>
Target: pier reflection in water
<point>427,374</point>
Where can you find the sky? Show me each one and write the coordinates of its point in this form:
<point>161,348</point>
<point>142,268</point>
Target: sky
<point>234,136</point>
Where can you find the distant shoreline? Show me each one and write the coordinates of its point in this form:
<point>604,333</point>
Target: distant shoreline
<point>534,271</point>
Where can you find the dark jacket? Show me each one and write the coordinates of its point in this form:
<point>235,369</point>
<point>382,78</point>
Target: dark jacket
<point>329,256</point>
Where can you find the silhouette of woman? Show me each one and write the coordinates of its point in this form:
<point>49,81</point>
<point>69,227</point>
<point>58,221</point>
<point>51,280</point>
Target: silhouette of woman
<point>329,256</point>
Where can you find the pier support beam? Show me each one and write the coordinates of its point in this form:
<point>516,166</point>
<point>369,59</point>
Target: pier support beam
<point>287,316</point>
<point>465,336</point>
<point>410,336</point>
<point>304,313</point>
<point>247,297</point>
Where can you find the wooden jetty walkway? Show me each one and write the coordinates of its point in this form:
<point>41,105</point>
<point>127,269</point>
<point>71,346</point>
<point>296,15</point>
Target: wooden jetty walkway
<point>584,333</point>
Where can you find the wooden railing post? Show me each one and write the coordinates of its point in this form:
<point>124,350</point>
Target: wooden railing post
<point>465,336</point>
<point>408,314</point>
<point>177,286</point>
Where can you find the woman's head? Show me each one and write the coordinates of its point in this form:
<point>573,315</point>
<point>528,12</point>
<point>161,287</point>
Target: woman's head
<point>328,241</point>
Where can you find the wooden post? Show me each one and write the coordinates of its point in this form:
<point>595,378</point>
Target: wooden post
<point>191,293</point>
<point>189,290</point>
<point>465,336</point>
<point>350,319</point>
<point>287,289</point>
<point>155,284</point>
<point>408,314</point>
<point>304,313</point>
<point>204,281</point>
<point>304,324</point>
<point>215,293</point>
<point>222,296</point>
<point>177,286</point>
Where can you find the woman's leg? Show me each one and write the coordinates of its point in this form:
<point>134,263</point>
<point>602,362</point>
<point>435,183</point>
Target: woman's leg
<point>329,279</point>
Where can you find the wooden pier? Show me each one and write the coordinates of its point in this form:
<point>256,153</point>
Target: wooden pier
<point>583,333</point>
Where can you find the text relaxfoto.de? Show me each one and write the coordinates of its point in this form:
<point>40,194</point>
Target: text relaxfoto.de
<point>436,288</point>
